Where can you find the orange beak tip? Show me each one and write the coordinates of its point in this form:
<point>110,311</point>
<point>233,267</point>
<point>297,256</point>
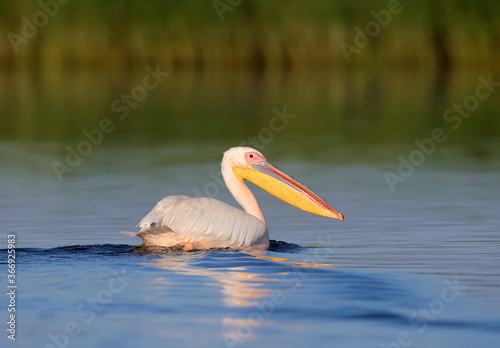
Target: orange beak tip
<point>339,216</point>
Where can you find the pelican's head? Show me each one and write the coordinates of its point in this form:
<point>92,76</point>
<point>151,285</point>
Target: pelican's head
<point>250,164</point>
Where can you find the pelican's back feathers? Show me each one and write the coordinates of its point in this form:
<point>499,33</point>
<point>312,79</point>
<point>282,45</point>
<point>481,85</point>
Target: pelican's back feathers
<point>198,219</point>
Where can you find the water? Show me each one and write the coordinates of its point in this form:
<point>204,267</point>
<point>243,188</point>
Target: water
<point>415,267</point>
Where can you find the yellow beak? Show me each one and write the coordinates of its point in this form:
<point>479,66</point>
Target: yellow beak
<point>286,188</point>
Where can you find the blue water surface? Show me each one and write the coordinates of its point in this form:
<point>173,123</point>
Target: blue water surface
<point>413,268</point>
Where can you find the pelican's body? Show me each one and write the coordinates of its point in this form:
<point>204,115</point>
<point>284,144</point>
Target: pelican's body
<point>204,223</point>
<point>201,223</point>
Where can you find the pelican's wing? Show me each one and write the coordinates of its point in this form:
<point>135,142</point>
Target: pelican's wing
<point>201,218</point>
<point>155,217</point>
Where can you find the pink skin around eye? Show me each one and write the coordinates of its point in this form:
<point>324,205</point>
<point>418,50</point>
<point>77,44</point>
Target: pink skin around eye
<point>254,157</point>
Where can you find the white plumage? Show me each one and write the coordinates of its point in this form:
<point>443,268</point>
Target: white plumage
<point>195,221</point>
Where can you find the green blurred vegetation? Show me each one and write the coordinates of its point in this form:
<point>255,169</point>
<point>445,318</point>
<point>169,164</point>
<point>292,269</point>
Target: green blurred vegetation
<point>227,76</point>
<point>259,34</point>
<point>352,108</point>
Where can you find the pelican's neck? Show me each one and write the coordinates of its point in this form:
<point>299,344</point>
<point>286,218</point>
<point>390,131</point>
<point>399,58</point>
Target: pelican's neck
<point>241,192</point>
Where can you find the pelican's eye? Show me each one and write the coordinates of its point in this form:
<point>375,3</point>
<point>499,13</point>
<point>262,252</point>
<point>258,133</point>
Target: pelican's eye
<point>253,157</point>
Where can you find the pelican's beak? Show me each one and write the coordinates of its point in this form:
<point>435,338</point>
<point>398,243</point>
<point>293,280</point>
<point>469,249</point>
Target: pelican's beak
<point>286,188</point>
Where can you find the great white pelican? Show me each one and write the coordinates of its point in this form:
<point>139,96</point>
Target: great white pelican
<point>204,223</point>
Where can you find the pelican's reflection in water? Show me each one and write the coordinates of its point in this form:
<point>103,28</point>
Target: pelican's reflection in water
<point>239,287</point>
<point>252,286</point>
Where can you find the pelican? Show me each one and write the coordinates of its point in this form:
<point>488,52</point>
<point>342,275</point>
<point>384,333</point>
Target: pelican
<point>204,223</point>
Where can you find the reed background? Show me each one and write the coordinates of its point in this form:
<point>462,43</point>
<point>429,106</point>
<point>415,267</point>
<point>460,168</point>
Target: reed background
<point>256,34</point>
<point>227,75</point>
